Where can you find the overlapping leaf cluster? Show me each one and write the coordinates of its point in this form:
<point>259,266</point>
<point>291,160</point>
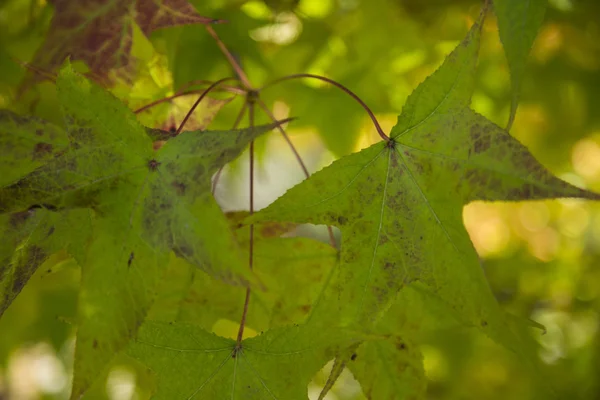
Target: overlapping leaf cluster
<point>140,222</point>
<point>117,205</point>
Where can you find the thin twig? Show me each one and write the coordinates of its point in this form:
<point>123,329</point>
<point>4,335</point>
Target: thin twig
<point>235,125</point>
<point>202,96</point>
<point>184,93</point>
<point>338,85</point>
<point>232,89</point>
<point>296,154</point>
<point>234,64</point>
<point>251,246</point>
<point>165,99</point>
<point>51,76</point>
<point>285,136</point>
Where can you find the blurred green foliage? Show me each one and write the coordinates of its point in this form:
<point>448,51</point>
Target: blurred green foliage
<point>542,258</point>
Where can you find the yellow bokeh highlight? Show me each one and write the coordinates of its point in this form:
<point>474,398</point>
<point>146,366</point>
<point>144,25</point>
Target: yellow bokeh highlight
<point>315,8</point>
<point>229,329</point>
<point>434,363</point>
<point>585,157</point>
<point>487,228</point>
<point>256,9</point>
<point>548,43</point>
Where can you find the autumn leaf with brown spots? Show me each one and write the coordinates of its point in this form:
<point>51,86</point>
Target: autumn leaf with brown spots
<point>144,204</point>
<point>26,143</point>
<point>399,203</point>
<point>30,237</point>
<point>99,32</point>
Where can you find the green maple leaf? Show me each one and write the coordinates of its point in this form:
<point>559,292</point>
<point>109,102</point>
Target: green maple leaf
<point>100,32</point>
<point>146,204</point>
<point>518,24</point>
<point>399,203</point>
<point>390,368</point>
<point>29,238</point>
<point>293,271</point>
<point>110,166</point>
<point>26,143</point>
<point>191,363</point>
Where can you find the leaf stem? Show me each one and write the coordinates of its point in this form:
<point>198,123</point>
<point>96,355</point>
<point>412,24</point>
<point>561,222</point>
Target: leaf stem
<point>296,154</point>
<point>338,85</point>
<point>238,119</point>
<point>183,92</point>
<point>202,96</point>
<point>250,103</point>
<point>168,98</point>
<point>234,64</point>
<point>51,76</point>
<point>203,82</point>
<point>262,105</point>
<point>243,321</point>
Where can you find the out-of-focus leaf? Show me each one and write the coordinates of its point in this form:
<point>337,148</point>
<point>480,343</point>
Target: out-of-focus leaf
<point>518,23</point>
<point>30,237</point>
<point>100,32</point>
<point>168,116</point>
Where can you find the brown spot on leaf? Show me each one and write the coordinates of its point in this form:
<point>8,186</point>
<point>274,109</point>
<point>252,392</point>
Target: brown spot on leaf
<point>305,308</point>
<point>41,150</point>
<point>199,173</point>
<point>353,357</point>
<point>39,132</point>
<point>476,178</point>
<point>525,161</point>
<point>179,187</point>
<point>47,206</point>
<point>183,251</point>
<point>272,229</point>
<point>19,218</point>
<point>95,344</point>
<point>130,260</point>
<point>158,144</point>
<point>153,165</point>
<point>480,138</point>
<point>395,163</point>
<point>34,256</point>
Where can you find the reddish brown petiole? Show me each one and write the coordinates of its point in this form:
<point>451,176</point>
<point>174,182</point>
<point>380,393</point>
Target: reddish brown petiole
<point>240,335</point>
<point>296,154</point>
<point>235,126</point>
<point>234,64</point>
<point>202,96</point>
<point>182,93</point>
<point>340,86</point>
